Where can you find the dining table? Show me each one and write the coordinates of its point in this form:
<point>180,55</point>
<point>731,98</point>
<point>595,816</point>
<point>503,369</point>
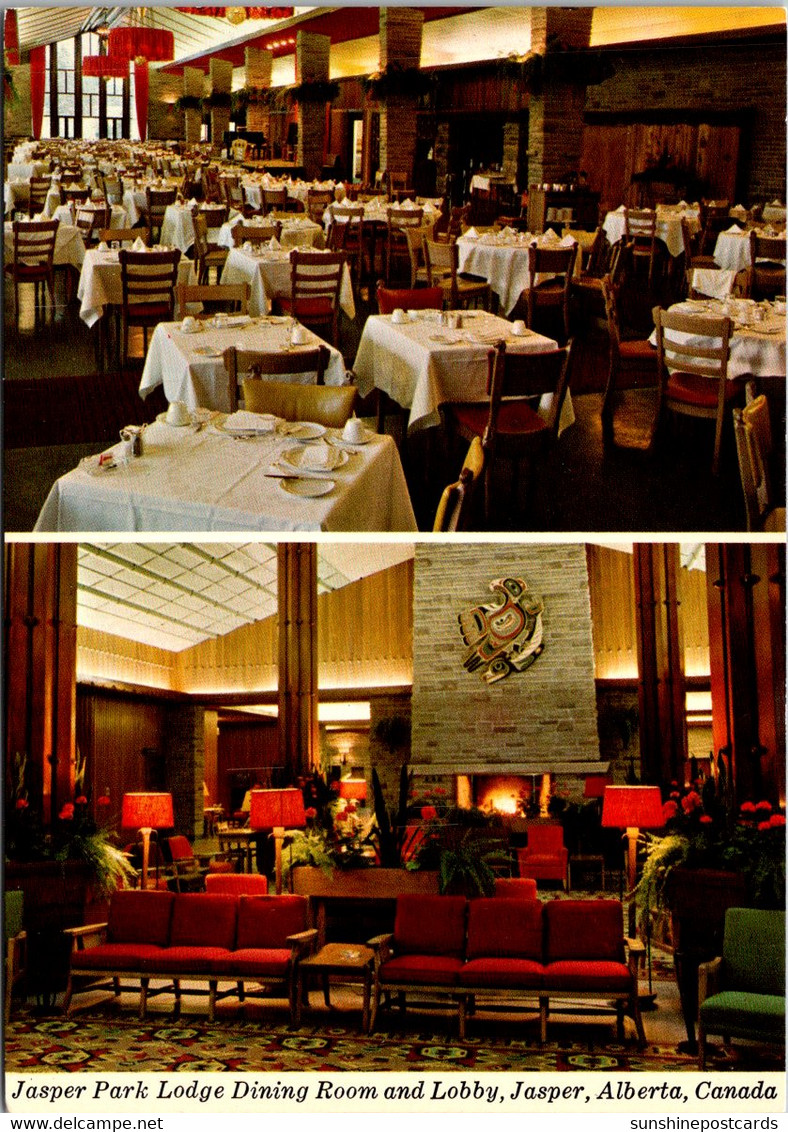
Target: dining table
<point>502,259</point>
<point>69,245</point>
<point>422,365</point>
<point>732,249</point>
<point>297,230</point>
<point>118,215</point>
<point>135,199</point>
<point>100,283</point>
<point>669,230</point>
<point>189,363</point>
<point>202,477</point>
<point>757,346</point>
<point>177,227</point>
<point>267,271</point>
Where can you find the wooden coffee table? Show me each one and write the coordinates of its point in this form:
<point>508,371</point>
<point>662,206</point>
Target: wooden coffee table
<point>349,962</point>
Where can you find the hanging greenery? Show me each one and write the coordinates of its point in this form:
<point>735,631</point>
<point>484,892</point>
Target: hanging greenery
<point>10,93</point>
<point>397,81</point>
<point>559,63</point>
<point>273,97</point>
<point>188,102</point>
<point>313,90</point>
<point>217,100</point>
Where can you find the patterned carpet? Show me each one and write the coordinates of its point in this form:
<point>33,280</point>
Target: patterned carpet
<point>105,1040</point>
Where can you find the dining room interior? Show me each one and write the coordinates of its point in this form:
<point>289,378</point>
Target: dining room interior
<point>441,199</point>
<point>388,734</point>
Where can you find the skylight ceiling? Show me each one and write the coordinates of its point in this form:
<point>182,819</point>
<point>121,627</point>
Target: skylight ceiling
<point>176,595</point>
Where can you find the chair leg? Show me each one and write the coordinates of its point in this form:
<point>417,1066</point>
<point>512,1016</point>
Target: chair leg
<point>543,1003</point>
<point>144,983</point>
<point>212,988</point>
<point>461,1017</point>
<point>701,1047</point>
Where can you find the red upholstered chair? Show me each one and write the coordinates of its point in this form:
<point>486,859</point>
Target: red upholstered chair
<point>515,888</point>
<point>189,869</point>
<point>417,299</point>
<point>238,884</point>
<point>426,949</point>
<point>545,857</point>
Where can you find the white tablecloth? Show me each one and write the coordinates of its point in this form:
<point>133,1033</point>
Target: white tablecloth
<point>503,262</point>
<point>208,481</point>
<point>135,200</point>
<point>422,365</point>
<point>24,170</point>
<point>100,286</point>
<point>299,231</point>
<point>757,350</point>
<point>732,250</point>
<point>774,212</point>
<point>177,228</point>
<point>69,245</point>
<point>118,215</point>
<point>268,275</point>
<point>176,360</point>
<point>717,284</point>
<point>668,228</point>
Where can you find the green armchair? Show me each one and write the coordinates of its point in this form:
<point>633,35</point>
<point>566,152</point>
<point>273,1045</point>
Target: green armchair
<point>741,993</point>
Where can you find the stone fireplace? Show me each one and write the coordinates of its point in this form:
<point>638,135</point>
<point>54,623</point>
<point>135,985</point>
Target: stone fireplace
<point>529,734</point>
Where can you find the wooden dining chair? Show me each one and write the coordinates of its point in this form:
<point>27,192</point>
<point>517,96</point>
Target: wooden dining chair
<point>148,281</point>
<point>348,234</point>
<point>39,191</point>
<point>212,186</point>
<point>766,275</point>
<point>274,199</point>
<point>91,222</point>
<point>754,447</point>
<point>396,245</point>
<point>207,256</point>
<point>714,217</point>
<point>413,299</point>
<point>117,237</point>
<point>233,297</point>
<point>33,259</point>
<point>455,507</point>
<point>257,233</point>
<point>234,195</point>
<point>260,366</point>
<point>640,229</point>
<point>419,274</point>
<point>315,283</point>
<point>557,263</point>
<point>157,201</point>
<point>317,201</point>
<point>632,363</point>
<point>112,187</point>
<point>693,355</point>
<point>75,194</point>
<point>398,187</point>
<point>442,262</point>
<point>508,424</point>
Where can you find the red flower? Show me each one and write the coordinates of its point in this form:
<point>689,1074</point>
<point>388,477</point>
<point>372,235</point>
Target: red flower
<point>428,813</point>
<point>675,794</point>
<point>765,824</point>
<point>350,808</point>
<point>81,800</point>
<point>763,806</point>
<point>22,803</point>
<point>341,817</point>
<point>747,807</point>
<point>691,802</point>
<point>103,800</point>
<point>776,820</point>
<point>705,819</point>
<point>67,813</point>
<point>440,790</point>
<point>310,812</point>
<point>334,787</point>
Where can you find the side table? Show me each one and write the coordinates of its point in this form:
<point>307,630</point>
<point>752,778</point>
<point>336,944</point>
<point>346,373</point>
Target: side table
<point>352,963</point>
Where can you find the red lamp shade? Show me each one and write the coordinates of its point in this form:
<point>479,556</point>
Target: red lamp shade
<point>632,807</point>
<point>354,789</point>
<point>147,811</point>
<point>104,67</point>
<point>595,785</point>
<point>157,45</point>
<point>276,809</point>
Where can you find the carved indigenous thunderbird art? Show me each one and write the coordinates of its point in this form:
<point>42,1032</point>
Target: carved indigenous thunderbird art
<point>505,635</point>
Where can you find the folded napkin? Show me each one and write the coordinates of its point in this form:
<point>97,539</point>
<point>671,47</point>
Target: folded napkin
<point>472,233</point>
<point>192,202</point>
<point>407,204</point>
<point>568,241</point>
<point>103,246</point>
<point>738,210</point>
<point>734,228</point>
<point>138,245</point>
<point>682,204</point>
<point>776,203</point>
<point>274,244</point>
<point>551,237</point>
<point>319,456</point>
<point>246,246</point>
<point>245,421</point>
<point>621,208</point>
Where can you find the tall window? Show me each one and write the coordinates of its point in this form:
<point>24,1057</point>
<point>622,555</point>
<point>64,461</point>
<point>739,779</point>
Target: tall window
<point>91,91</point>
<point>81,100</point>
<point>66,102</point>
<point>46,125</point>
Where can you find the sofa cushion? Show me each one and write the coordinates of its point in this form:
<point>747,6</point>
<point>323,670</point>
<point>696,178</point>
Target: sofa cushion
<point>203,920</point>
<point>512,929</point>
<point>115,957</point>
<point>136,916</point>
<point>441,970</point>
<point>584,929</point>
<point>187,960</point>
<point>502,972</point>
<point>430,925</point>
<point>587,975</point>
<point>267,921</point>
<point>256,962</point>
<point>743,1013</point>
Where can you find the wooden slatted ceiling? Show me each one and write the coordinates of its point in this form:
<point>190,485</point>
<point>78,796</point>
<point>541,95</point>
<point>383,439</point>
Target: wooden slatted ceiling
<point>615,24</point>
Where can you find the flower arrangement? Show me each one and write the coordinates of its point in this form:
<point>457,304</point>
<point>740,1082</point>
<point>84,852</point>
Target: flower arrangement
<point>10,93</point>
<point>703,831</point>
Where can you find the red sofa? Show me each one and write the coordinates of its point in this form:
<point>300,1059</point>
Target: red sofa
<point>501,949</point>
<point>197,937</point>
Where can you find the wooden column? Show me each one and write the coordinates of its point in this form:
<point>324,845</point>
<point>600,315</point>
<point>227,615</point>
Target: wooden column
<point>40,650</point>
<point>661,691</point>
<point>746,595</point>
<point>298,730</point>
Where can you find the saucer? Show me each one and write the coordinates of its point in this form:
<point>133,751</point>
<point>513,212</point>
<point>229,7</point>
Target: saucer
<point>307,489</point>
<point>304,430</point>
<point>162,419</point>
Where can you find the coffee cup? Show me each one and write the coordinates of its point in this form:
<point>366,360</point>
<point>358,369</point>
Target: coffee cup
<point>398,315</point>
<point>779,304</point>
<point>298,336</point>
<point>189,324</point>
<point>518,327</point>
<point>353,430</point>
<point>178,414</point>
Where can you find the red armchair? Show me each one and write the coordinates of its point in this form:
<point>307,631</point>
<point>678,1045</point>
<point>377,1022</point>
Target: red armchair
<point>515,888</point>
<point>545,857</point>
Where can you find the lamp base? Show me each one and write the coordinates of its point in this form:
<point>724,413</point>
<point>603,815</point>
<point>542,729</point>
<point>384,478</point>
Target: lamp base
<point>647,1002</point>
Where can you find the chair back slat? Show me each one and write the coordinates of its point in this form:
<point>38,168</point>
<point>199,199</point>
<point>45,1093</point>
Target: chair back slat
<point>149,277</point>
<point>257,233</point>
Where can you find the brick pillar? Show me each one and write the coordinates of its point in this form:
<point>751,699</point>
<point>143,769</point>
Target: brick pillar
<point>221,83</point>
<point>193,87</point>
<point>515,158</point>
<point>165,121</point>
<point>312,58</point>
<point>184,744</point>
<point>400,43</point>
<point>556,112</point>
<point>258,77</point>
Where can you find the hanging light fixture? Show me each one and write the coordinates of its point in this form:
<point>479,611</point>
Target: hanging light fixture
<point>141,40</point>
<point>104,67</point>
<point>237,15</point>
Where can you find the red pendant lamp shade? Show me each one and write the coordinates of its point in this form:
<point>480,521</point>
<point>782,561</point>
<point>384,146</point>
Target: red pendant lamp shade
<point>157,45</point>
<point>277,809</point>
<point>141,96</point>
<point>11,38</point>
<point>104,67</point>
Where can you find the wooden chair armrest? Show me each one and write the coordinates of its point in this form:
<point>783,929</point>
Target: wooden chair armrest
<point>79,934</point>
<point>303,942</point>
<point>636,950</point>
<point>381,945</point>
<point>709,975</point>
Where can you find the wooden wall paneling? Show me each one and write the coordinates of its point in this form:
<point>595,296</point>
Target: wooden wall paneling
<point>299,750</point>
<point>695,622</point>
<point>768,610</point>
<point>242,661</point>
<point>106,656</point>
<point>612,594</point>
<point>718,159</point>
<point>211,755</point>
<point>606,157</point>
<point>245,745</point>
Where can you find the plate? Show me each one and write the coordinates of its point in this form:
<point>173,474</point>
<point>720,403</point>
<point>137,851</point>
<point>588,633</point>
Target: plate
<point>307,489</point>
<point>208,351</point>
<point>304,430</point>
<point>162,419</point>
<point>294,458</point>
<point>350,445</point>
<point>266,419</point>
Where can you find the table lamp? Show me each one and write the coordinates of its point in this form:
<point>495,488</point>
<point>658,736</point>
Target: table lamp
<point>146,812</point>
<point>277,810</point>
<point>353,789</point>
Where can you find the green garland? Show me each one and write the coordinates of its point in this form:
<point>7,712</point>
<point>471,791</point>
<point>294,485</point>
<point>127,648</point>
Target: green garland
<point>217,100</point>
<point>313,90</point>
<point>10,93</point>
<point>397,81</point>
<point>188,102</point>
